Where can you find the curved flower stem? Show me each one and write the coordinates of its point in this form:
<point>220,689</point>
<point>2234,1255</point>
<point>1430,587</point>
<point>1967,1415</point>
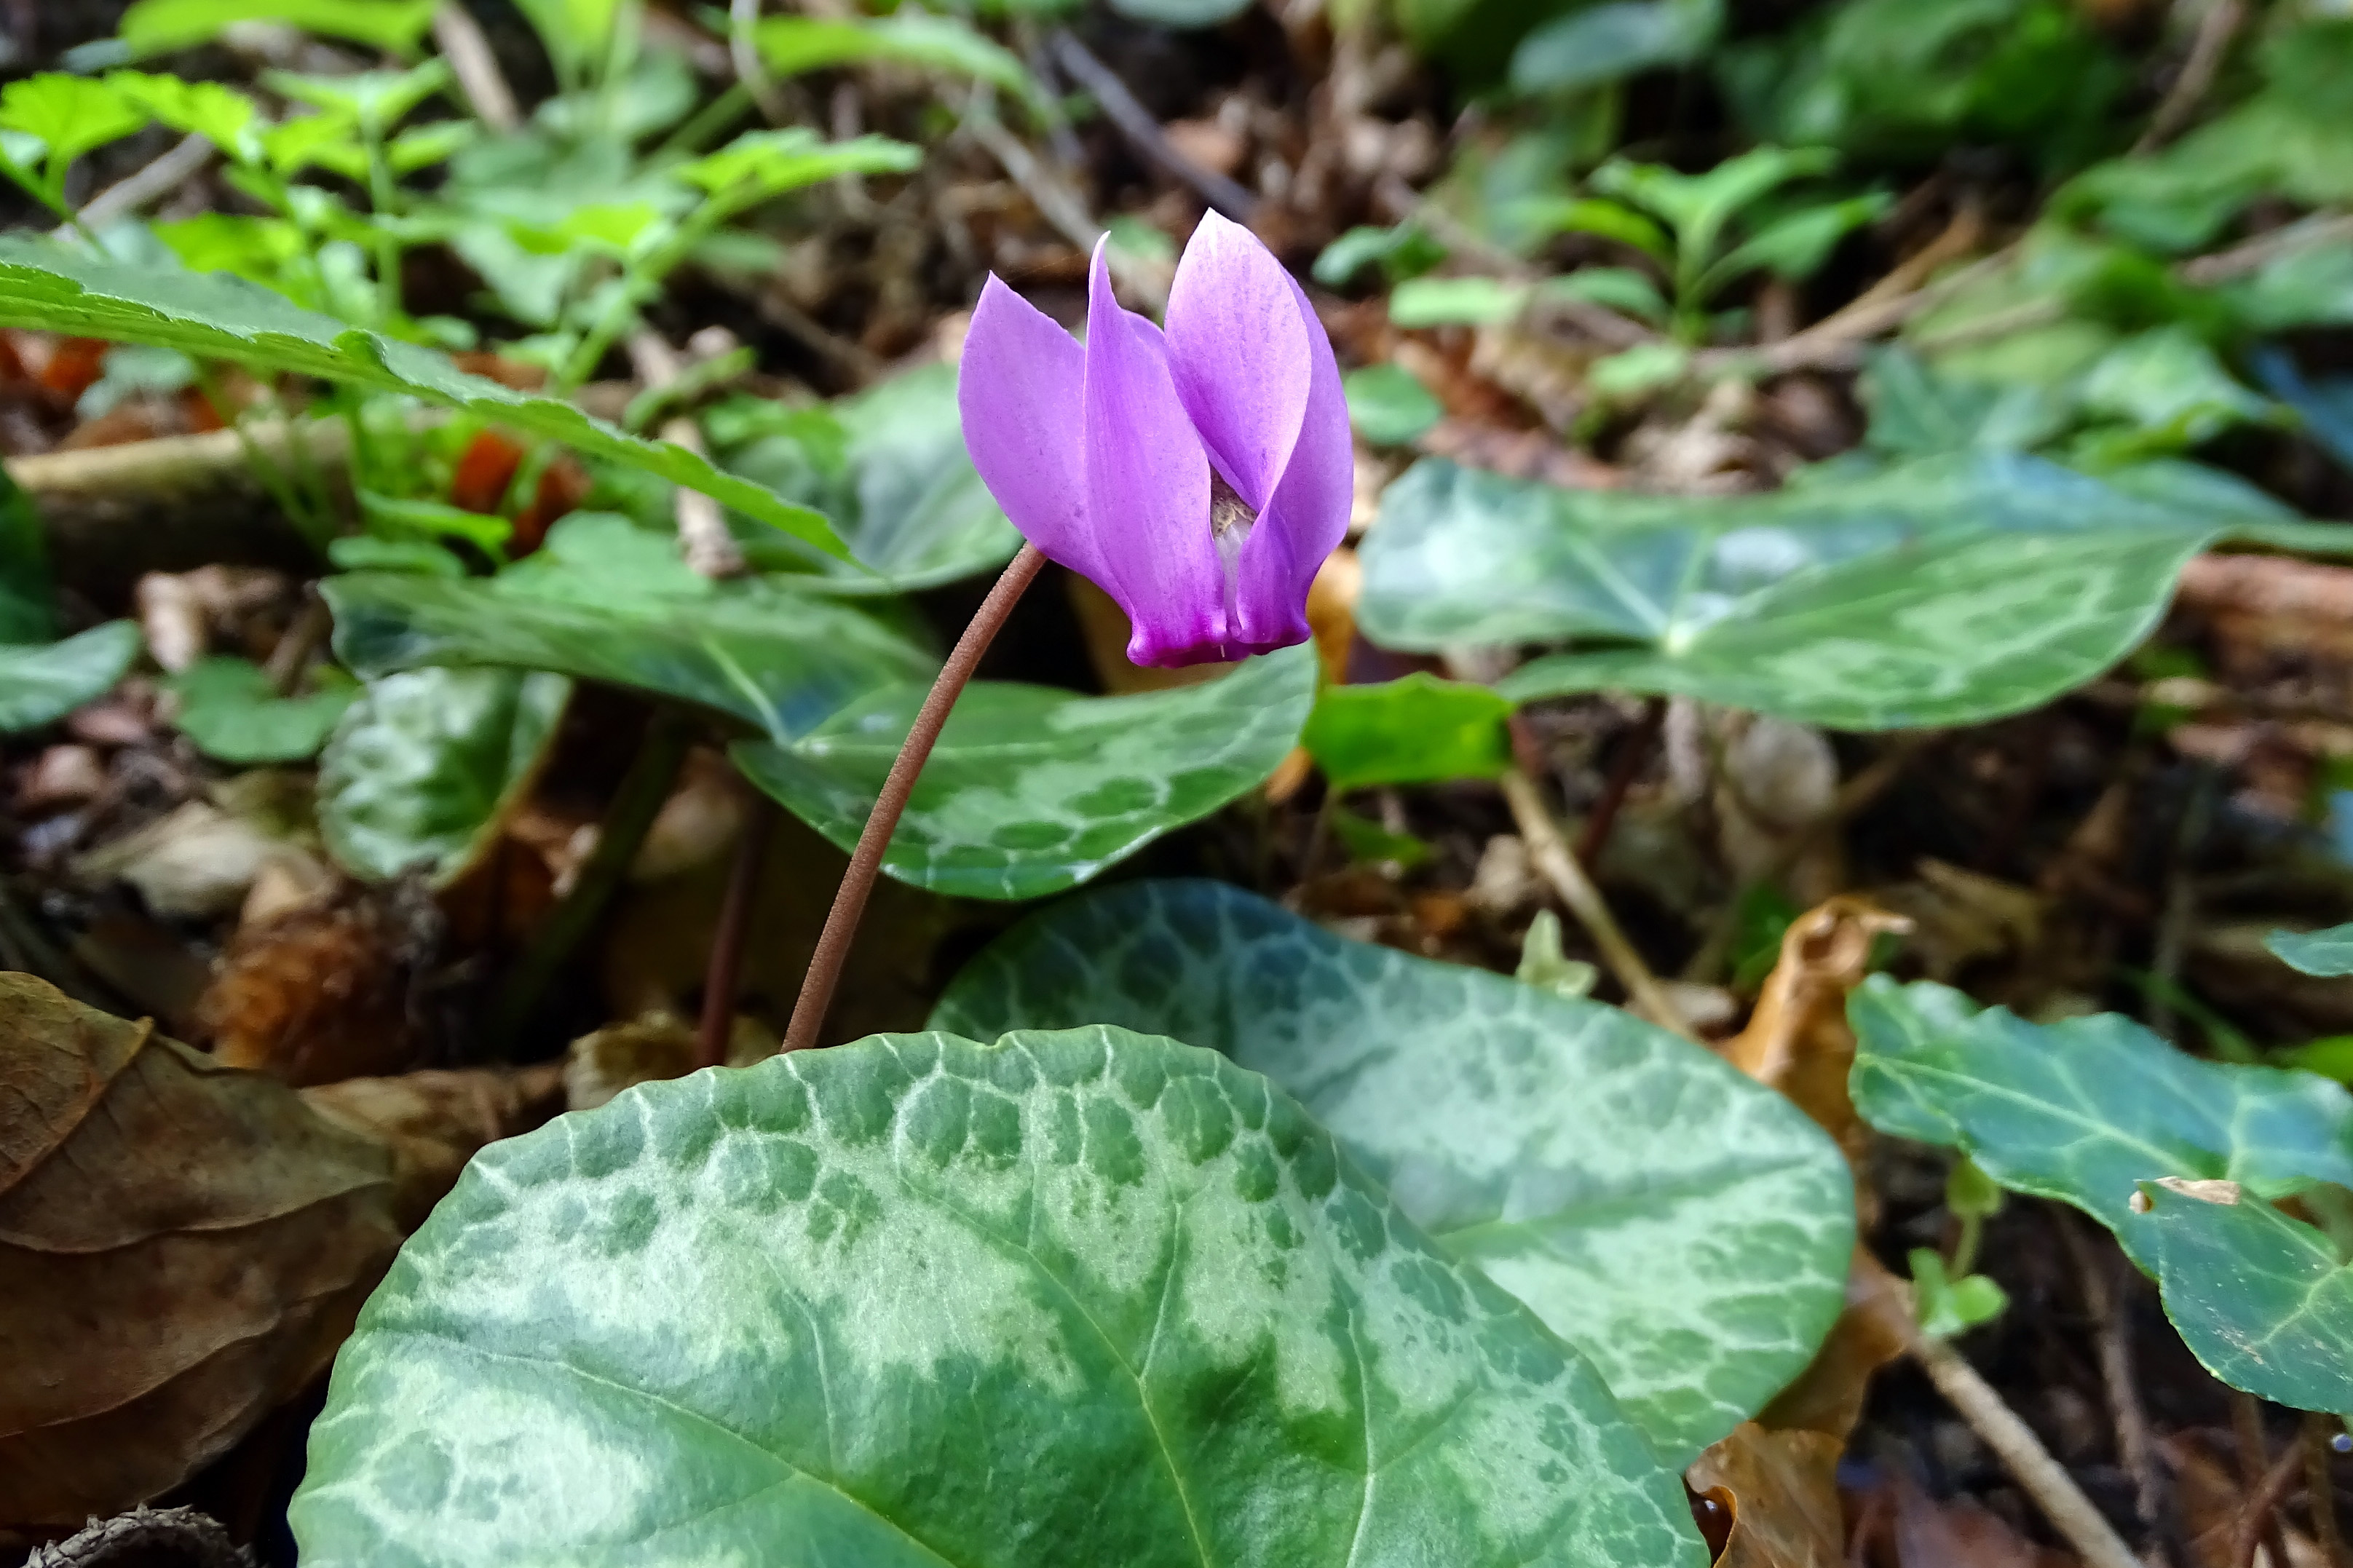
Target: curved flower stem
<point>866,863</point>
<point>727,944</point>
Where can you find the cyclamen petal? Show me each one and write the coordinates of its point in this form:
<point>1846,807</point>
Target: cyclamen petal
<point>1102,456</point>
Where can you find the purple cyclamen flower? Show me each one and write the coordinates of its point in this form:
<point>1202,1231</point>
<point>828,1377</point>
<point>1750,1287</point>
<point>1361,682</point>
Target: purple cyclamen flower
<point>1199,475</point>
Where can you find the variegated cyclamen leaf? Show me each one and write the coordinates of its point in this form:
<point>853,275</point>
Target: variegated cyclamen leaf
<point>2328,953</point>
<point>1030,789</point>
<point>1947,591</point>
<point>1081,1299</point>
<point>1684,1227</point>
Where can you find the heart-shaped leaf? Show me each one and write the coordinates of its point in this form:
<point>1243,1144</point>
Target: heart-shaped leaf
<point>781,658</point>
<point>42,683</point>
<point>2090,1111</point>
<point>1076,1299</point>
<point>1685,1227</point>
<point>51,287</point>
<point>234,713</point>
<point>2264,1301</point>
<point>888,466</point>
<point>423,764</point>
<point>1031,789</point>
<point>1412,730</point>
<point>2328,953</point>
<point>1948,591</point>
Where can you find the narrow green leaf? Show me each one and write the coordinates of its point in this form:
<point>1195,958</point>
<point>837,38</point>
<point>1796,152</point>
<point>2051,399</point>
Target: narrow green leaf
<point>1065,1301</point>
<point>42,683</point>
<point>2324,953</point>
<point>228,708</point>
<point>152,26</point>
<point>1030,789</point>
<point>760,165</point>
<point>1455,301</point>
<point>1684,1227</point>
<point>27,596</point>
<point>1417,729</point>
<point>424,765</point>
<point>48,288</point>
<point>1947,591</point>
<point>780,660</point>
<point>791,45</point>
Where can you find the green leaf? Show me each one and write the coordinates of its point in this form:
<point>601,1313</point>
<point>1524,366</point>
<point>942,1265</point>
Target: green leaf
<point>2264,1301</point>
<point>1621,288</point>
<point>1181,13</point>
<point>2324,953</point>
<point>28,606</point>
<point>1698,207</point>
<point>228,708</point>
<point>791,45</point>
<point>425,764</point>
<point>254,248</point>
<point>1455,301</point>
<point>1068,1301</point>
<point>781,659</point>
<point>2081,1110</point>
<point>1684,1227</point>
<point>69,115</point>
<point>578,34</point>
<point>1387,406</point>
<point>1417,729</point>
<point>760,165</point>
<point>1606,43</point>
<point>221,115</point>
<point>1544,966</point>
<point>152,26</point>
<point>889,466</point>
<point>1947,1306</point>
<point>42,683</point>
<point>1548,215</point>
<point>48,288</point>
<point>1948,591</point>
<point>375,101</point>
<point>1030,789</point>
<point>1794,248</point>
<point>1403,250</point>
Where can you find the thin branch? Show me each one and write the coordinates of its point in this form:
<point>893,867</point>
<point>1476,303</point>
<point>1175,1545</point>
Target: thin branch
<point>1632,752</point>
<point>702,536</point>
<point>744,54</point>
<point>475,65</point>
<point>2216,32</point>
<point>2054,1492</point>
<point>2254,254</point>
<point>2320,1489</point>
<point>144,186</point>
<point>2097,1266</point>
<point>866,862</point>
<point>1549,852</point>
<point>2259,1517</point>
<point>1058,204</point>
<point>1142,130</point>
<point>2254,1470</point>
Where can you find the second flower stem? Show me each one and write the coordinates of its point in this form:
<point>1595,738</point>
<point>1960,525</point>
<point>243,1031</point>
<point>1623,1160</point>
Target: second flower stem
<point>866,861</point>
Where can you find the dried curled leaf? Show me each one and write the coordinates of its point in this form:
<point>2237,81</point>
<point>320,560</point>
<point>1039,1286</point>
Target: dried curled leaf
<point>1781,1489</point>
<point>184,1247</point>
<point>433,1123</point>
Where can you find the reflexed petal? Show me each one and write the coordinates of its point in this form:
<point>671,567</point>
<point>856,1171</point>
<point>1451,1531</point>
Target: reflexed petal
<point>1021,390</point>
<point>1309,515</point>
<point>1147,488</point>
<point>1239,354</point>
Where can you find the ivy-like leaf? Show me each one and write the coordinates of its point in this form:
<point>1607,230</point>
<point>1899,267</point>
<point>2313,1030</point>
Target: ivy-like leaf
<point>228,708</point>
<point>1948,591</point>
<point>1069,1300</point>
<point>51,288</point>
<point>2092,1111</point>
<point>2264,1301</point>
<point>2328,953</point>
<point>1030,789</point>
<point>1684,1227</point>
<point>423,765</point>
<point>42,683</point>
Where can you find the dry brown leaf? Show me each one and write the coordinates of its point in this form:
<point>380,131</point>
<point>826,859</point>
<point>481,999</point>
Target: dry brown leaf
<point>434,1122</point>
<point>652,1045</point>
<point>1960,1533</point>
<point>1781,1491</point>
<point>184,1246</point>
<point>2210,1495</point>
<point>1959,916</point>
<point>1798,1040</point>
<point>323,992</point>
<point>1872,1330</point>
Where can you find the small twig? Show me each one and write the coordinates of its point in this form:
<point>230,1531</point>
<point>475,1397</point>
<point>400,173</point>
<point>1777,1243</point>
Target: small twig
<point>726,966</point>
<point>2096,1266</point>
<point>1142,130</point>
<point>702,536</point>
<point>866,862</point>
<point>2254,1472</point>
<point>852,359</point>
<point>2258,1522</point>
<point>298,643</point>
<point>2254,254</point>
<point>1059,205</point>
<point>2180,913</point>
<point>2320,1489</point>
<point>1605,326</point>
<point>1632,752</point>
<point>143,186</point>
<point>1549,852</point>
<point>475,65</point>
<point>744,54</point>
<point>1852,797</point>
<point>635,804</point>
<point>2216,31</point>
<point>2054,1492</point>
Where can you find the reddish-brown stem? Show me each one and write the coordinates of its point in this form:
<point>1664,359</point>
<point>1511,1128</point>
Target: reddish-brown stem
<point>727,943</point>
<point>1632,752</point>
<point>866,861</point>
